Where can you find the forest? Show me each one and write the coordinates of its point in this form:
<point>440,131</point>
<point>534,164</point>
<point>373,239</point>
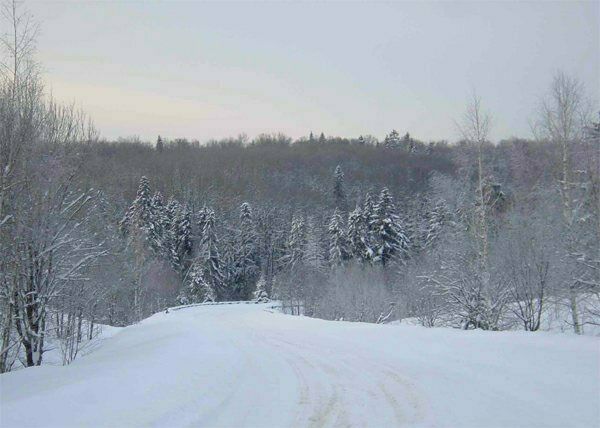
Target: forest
<point>466,233</point>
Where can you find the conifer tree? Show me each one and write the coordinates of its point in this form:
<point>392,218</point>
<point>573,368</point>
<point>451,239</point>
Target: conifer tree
<point>314,254</point>
<point>158,227</point>
<point>357,235</point>
<point>392,140</point>
<point>181,233</point>
<point>339,192</point>
<point>296,243</point>
<point>436,220</point>
<point>260,293</point>
<point>195,290</point>
<point>139,214</point>
<point>212,274</point>
<point>390,238</point>
<point>368,239</point>
<point>246,268</point>
<point>339,252</point>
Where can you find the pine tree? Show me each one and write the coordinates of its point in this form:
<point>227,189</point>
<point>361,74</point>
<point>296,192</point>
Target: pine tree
<point>136,226</point>
<point>260,293</point>
<point>158,226</point>
<point>356,235</point>
<point>339,193</point>
<point>390,238</point>
<point>210,258</point>
<point>195,288</point>
<point>436,220</point>
<point>160,146</point>
<point>368,239</point>
<point>322,138</point>
<point>139,214</point>
<point>181,233</point>
<point>314,254</point>
<point>296,243</point>
<point>408,143</point>
<point>392,140</point>
<point>339,252</point>
<point>247,266</point>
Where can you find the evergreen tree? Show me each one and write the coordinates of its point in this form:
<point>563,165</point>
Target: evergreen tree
<point>139,214</point>
<point>158,227</point>
<point>339,252</point>
<point>195,290</point>
<point>296,243</point>
<point>246,268</point>
<point>390,238</point>
<point>181,233</point>
<point>436,220</point>
<point>314,254</point>
<point>160,146</point>
<point>212,274</point>
<point>356,235</point>
<point>322,138</point>
<point>392,140</point>
<point>339,193</point>
<point>260,293</point>
<point>368,239</point>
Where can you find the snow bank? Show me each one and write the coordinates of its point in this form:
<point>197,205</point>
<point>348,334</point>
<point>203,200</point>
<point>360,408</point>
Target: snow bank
<point>242,365</point>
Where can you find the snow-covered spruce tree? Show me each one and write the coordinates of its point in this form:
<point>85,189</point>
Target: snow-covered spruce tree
<point>390,238</point>
<point>181,235</point>
<point>260,293</point>
<point>196,288</point>
<point>339,193</point>
<point>314,254</point>
<point>160,145</point>
<point>296,243</point>
<point>339,252</point>
<point>290,282</point>
<point>437,218</point>
<point>212,274</point>
<point>246,263</point>
<point>271,243</point>
<point>138,226</point>
<point>158,230</point>
<point>392,140</point>
<point>172,211</point>
<point>369,239</point>
<point>139,214</point>
<point>357,230</point>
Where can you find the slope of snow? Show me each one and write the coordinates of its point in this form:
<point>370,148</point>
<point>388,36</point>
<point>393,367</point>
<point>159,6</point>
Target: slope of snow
<point>244,365</point>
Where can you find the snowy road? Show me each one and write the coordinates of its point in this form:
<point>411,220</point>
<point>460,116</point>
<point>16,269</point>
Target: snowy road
<point>242,365</point>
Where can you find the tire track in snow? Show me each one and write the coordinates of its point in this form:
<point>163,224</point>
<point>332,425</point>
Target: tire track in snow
<point>333,387</point>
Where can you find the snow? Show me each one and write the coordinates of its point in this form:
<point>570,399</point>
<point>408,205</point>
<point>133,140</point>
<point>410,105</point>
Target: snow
<point>247,365</point>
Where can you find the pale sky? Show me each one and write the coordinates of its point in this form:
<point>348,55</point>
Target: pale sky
<point>211,70</point>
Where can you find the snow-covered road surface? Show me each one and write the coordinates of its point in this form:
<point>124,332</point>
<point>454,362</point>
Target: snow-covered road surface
<point>246,366</point>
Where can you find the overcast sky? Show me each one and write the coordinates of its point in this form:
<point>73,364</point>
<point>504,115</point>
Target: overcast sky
<point>211,70</point>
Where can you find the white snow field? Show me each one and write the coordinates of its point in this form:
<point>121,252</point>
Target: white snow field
<point>247,366</point>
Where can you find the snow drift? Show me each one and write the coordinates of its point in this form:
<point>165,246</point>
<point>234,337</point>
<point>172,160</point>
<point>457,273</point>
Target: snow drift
<point>245,365</point>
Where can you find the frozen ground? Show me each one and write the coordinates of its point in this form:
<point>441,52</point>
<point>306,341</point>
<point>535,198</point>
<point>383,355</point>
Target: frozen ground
<point>243,365</point>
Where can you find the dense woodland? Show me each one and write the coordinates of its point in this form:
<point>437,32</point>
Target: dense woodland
<point>468,233</point>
